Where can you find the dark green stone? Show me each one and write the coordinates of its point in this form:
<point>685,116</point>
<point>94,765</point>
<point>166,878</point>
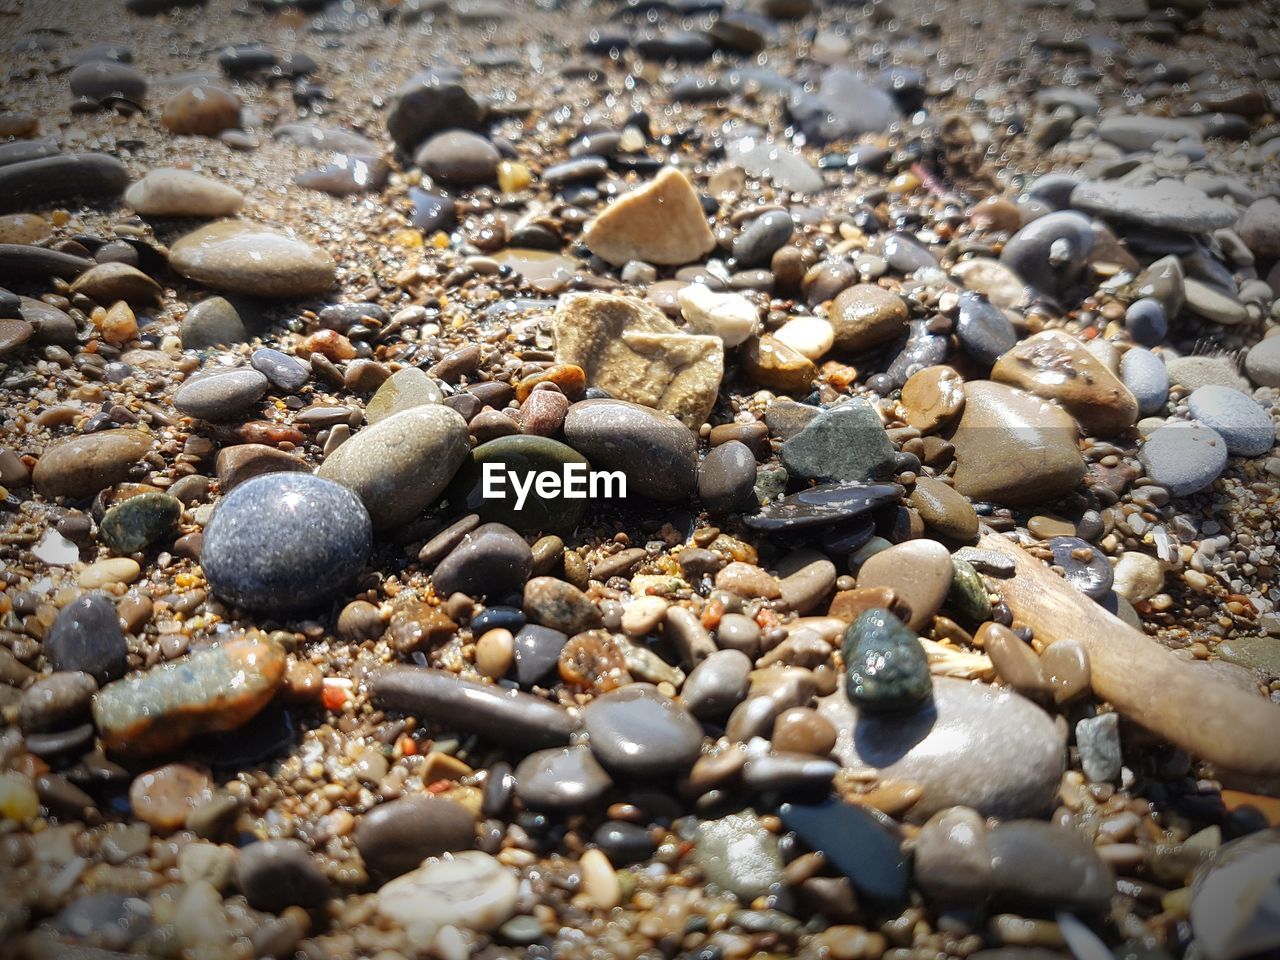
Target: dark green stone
<point>522,454</point>
<point>140,521</point>
<point>968,594</point>
<point>886,667</point>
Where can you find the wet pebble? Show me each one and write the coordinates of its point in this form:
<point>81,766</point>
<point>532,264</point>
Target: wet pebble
<point>275,874</point>
<point>1244,426</point>
<point>636,731</point>
<point>395,837</point>
<point>221,395</point>
<point>491,560</point>
<point>561,778</point>
<point>170,192</point>
<point>1085,566</point>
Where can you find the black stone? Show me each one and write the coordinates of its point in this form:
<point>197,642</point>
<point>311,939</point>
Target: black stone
<point>854,843</point>
<point>824,505</point>
<point>537,652</point>
<point>86,636</point>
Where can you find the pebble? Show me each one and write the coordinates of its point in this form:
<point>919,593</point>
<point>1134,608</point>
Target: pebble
<point>632,350</point>
<point>202,110</point>
<point>845,106</point>
<point>1209,302</point>
<point>1084,565</point>
<point>1147,321</point>
<point>1058,367</point>
<point>57,701</point>
<point>58,179</point>
<point>730,316</point>
<point>656,452</point>
<point>243,257</point>
<point>1050,253</point>
<point>537,650</point>
<point>221,395</point>
<point>470,890</point>
<point>761,238</point>
<point>918,571</point>
<point>944,510</point>
<point>717,684</point>
<point>952,856</point>
<point>771,363</point>
<point>511,716</point>
<point>429,102</point>
<point>213,322</point>
<point>1065,665</point>
<point>803,730</point>
<point>106,80</point>
<point>285,372</point>
<point>561,779</point>
<point>887,669</point>
<point>1098,739</point>
<point>763,157</point>
<point>975,746</point>
<point>525,455</point>
<point>491,560</point>
<point>1147,378</point>
<point>807,579</point>
<point>105,573</point>
<point>138,522</point>
<point>845,443</point>
<point>600,883</point>
<point>86,636</point>
<point>163,798</point>
<point>811,337</point>
<point>400,465</point>
<point>405,389</point>
<point>215,689</point>
<point>1197,371</point>
<point>1166,205</point>
<point>983,329</point>
<point>275,874</point>
<point>1138,576</point>
<point>624,843</point>
<point>1012,447</point>
<point>738,855</point>
<point>865,316</point>
<point>854,843</point>
<point>459,158</point>
<point>636,731</point>
<point>1234,900</point>
<point>1244,426</point>
<point>932,398</point>
<point>1184,457</point>
<point>1262,362</point>
<point>170,192</point>
<point>727,478</point>
<point>1042,863</point>
<point>283,542</point>
<point>661,223</point>
<point>396,837</point>
<point>79,467</point>
<point>559,605</point>
<point>823,505</point>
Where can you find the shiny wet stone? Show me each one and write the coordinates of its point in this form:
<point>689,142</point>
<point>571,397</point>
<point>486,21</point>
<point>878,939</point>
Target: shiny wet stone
<point>886,665</point>
<point>823,505</point>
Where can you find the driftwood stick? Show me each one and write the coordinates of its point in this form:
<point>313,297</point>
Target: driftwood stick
<point>1203,715</point>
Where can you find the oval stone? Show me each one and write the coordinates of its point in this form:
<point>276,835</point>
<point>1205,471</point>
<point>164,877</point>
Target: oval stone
<point>563,778</point>
<point>283,542</point>
<point>394,838</point>
<point>637,731</point>
<point>221,395</point>
<point>250,258</point>
<point>81,466</point>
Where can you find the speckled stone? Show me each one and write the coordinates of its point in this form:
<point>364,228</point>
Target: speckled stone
<point>283,542</point>
<point>1147,378</point>
<point>215,689</point>
<point>140,521</point>
<point>846,443</point>
<point>738,854</point>
<point>886,665</point>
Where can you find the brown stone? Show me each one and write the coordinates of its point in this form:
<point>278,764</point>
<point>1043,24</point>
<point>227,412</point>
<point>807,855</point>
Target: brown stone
<point>204,110</point>
<point>932,397</point>
<point>244,461</point>
<point>1014,448</point>
<point>81,466</point>
<point>108,282</point>
<point>1059,367</point>
<point>163,798</point>
<point>1015,662</point>
<point>848,605</point>
<point>771,363</point>
<point>865,316</point>
<point>919,571</point>
<point>944,510</point>
<point>803,730</point>
<point>660,223</point>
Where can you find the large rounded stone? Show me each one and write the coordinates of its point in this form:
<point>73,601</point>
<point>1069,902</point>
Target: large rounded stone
<point>170,192</point>
<point>250,258</point>
<point>971,745</point>
<point>400,466</point>
<point>394,838</point>
<point>492,560</point>
<point>284,542</point>
<point>81,466</point>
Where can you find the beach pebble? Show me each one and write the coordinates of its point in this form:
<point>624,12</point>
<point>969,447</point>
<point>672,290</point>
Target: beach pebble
<point>1184,457</point>
<point>1243,425</point>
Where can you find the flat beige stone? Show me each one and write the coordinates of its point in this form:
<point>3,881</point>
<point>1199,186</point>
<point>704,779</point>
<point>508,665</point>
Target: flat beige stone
<point>632,350</point>
<point>918,571</point>
<point>1014,448</point>
<point>245,257</point>
<point>661,223</point>
<point>170,192</point>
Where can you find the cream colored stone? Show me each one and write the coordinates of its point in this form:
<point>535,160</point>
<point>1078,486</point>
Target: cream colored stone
<point>104,573</point>
<point>1138,576</point>
<point>811,337</point>
<point>169,192</point>
<point>661,223</point>
<point>632,350</point>
<point>729,316</point>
